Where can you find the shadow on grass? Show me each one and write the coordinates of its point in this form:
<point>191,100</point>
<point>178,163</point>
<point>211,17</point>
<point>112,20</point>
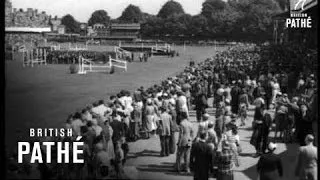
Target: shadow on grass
<point>165,167</point>
<point>288,159</point>
<point>144,153</point>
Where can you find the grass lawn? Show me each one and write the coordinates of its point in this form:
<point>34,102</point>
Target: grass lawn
<point>43,96</point>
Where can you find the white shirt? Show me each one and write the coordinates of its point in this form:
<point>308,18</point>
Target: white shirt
<point>100,110</point>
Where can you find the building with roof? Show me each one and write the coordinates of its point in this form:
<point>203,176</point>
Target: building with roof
<point>126,31</point>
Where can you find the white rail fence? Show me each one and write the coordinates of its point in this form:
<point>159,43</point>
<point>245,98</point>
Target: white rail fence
<point>87,65</point>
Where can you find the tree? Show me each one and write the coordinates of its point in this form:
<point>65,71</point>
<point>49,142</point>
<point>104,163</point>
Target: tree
<point>72,26</point>
<point>170,8</point>
<point>152,26</point>
<point>132,14</point>
<point>198,25</point>
<point>99,16</point>
<point>257,21</point>
<point>283,4</point>
<point>212,6</point>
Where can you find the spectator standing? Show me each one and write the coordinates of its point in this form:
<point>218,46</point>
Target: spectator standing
<point>225,162</point>
<point>165,123</point>
<point>307,165</point>
<point>269,165</point>
<point>201,158</point>
<point>186,136</point>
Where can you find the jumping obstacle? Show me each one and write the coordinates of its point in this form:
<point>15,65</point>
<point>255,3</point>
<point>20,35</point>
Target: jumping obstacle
<point>34,56</point>
<point>166,48</point>
<point>153,47</point>
<point>76,48</point>
<point>121,53</point>
<point>87,65</point>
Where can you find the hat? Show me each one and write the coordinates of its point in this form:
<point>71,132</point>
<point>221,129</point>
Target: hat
<point>295,99</point>
<point>99,146</point>
<point>309,138</point>
<point>149,101</point>
<point>272,146</point>
<point>285,94</point>
<point>206,116</point>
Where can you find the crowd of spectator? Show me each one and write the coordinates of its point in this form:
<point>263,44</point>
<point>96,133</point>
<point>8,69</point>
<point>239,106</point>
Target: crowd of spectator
<point>232,80</point>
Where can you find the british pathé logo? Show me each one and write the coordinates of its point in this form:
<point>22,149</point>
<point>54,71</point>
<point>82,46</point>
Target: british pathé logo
<point>301,3</point>
<point>298,19</point>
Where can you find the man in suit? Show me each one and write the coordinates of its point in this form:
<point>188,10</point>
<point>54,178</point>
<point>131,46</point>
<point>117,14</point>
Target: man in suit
<point>186,136</point>
<point>269,165</point>
<point>165,131</point>
<point>235,93</point>
<point>201,158</point>
<point>117,127</point>
<point>201,105</point>
<point>307,163</point>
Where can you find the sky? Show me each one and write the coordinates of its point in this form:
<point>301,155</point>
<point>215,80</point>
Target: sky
<point>81,10</point>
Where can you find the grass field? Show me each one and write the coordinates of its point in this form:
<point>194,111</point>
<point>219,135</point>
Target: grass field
<point>43,96</point>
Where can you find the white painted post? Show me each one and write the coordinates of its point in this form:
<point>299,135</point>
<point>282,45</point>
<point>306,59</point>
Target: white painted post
<point>80,69</point>
<point>31,60</point>
<point>45,56</point>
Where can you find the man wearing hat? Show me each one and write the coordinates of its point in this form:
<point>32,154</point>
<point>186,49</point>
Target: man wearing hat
<point>269,165</point>
<point>307,162</point>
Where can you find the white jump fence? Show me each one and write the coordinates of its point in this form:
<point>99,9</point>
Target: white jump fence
<point>87,65</point>
<point>165,48</point>
<point>78,48</point>
<point>33,56</point>
<point>121,53</point>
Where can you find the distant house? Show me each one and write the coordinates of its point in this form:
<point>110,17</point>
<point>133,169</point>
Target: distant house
<point>126,31</point>
<point>55,23</point>
<point>61,29</point>
<point>100,30</point>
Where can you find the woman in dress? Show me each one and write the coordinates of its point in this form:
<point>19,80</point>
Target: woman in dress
<point>233,139</point>
<point>150,115</point>
<point>107,133</point>
<point>275,90</point>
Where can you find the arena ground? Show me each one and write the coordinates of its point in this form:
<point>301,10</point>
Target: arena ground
<point>43,96</point>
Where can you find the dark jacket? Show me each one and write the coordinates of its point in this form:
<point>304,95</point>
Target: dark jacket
<point>118,130</point>
<point>269,167</point>
<point>201,101</point>
<point>200,160</point>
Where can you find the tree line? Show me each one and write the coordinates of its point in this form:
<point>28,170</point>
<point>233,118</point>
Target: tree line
<point>218,19</point>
